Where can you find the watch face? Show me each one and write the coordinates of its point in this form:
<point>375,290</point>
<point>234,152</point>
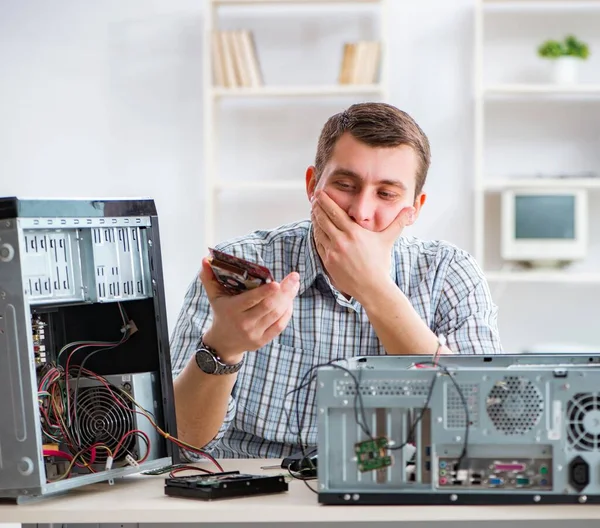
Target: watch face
<point>206,361</point>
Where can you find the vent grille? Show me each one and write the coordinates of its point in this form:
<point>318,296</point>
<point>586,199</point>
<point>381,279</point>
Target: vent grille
<point>104,417</point>
<point>515,405</point>
<point>455,408</point>
<point>583,421</point>
<point>384,388</point>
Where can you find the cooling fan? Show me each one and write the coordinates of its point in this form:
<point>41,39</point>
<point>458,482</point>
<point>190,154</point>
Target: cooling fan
<point>104,416</point>
<point>583,421</point>
<point>514,405</point>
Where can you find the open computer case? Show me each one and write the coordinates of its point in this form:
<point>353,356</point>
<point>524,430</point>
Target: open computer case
<point>86,391</point>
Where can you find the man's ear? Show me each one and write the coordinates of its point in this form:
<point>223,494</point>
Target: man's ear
<point>311,182</point>
<point>419,203</point>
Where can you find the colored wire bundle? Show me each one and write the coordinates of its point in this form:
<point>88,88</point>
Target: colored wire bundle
<point>61,420</point>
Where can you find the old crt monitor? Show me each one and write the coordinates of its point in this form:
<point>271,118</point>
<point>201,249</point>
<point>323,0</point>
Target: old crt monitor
<point>544,226</point>
<point>86,390</point>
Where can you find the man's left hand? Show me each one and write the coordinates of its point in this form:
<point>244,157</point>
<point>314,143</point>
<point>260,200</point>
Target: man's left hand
<point>355,258</point>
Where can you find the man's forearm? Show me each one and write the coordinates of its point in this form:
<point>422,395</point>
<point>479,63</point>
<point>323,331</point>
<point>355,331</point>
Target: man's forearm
<point>396,323</point>
<point>201,404</point>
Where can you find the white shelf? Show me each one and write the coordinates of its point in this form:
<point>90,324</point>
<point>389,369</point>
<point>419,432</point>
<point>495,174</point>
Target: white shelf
<point>508,90</point>
<point>541,5</point>
<point>264,185</point>
<point>289,2</point>
<point>564,277</point>
<point>298,91</point>
<point>554,183</point>
<point>215,97</point>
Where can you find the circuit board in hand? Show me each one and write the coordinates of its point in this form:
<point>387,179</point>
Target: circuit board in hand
<point>237,275</point>
<point>224,485</point>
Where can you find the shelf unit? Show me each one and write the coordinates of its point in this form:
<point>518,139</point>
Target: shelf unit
<point>549,277</point>
<point>541,5</point>
<point>214,95</point>
<point>490,93</point>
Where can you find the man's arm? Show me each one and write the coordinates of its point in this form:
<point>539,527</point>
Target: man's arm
<point>396,323</point>
<point>201,422</point>
<point>203,403</point>
<point>466,315</point>
<point>232,326</point>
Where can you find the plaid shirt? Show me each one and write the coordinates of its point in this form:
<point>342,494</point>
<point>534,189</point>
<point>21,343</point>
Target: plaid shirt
<point>444,284</point>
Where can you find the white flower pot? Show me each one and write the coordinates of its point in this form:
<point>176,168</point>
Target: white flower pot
<point>565,70</point>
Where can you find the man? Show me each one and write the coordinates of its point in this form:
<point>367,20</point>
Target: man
<point>347,284</point>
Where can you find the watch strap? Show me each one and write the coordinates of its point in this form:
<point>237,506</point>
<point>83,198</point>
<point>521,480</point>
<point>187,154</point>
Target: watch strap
<point>222,368</point>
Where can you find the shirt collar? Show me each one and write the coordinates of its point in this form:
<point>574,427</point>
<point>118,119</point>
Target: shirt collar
<point>311,262</point>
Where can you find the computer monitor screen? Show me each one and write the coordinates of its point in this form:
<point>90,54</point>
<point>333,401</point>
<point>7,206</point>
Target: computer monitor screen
<point>545,217</point>
<point>544,226</point>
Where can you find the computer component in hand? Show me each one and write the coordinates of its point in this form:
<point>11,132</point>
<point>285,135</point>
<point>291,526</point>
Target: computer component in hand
<point>226,485</point>
<point>235,274</point>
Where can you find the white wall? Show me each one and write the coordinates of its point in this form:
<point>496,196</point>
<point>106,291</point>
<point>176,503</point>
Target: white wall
<point>105,99</point>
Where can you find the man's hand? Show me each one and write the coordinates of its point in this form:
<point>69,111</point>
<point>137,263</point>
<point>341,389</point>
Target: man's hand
<point>249,320</point>
<point>355,258</point>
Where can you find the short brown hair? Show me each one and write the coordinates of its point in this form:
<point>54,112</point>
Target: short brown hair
<point>376,125</point>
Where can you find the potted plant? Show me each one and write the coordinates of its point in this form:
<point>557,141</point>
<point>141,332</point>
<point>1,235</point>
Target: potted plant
<point>565,56</point>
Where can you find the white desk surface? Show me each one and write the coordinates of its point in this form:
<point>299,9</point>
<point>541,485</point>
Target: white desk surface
<point>141,499</point>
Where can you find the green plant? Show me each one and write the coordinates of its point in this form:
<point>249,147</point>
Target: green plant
<point>569,47</point>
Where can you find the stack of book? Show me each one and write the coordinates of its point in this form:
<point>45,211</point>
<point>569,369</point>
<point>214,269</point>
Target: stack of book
<point>235,62</point>
<point>360,62</point>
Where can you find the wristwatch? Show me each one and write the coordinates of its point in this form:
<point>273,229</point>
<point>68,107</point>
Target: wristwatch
<point>209,362</point>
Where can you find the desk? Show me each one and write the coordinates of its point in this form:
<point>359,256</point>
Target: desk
<point>141,499</point>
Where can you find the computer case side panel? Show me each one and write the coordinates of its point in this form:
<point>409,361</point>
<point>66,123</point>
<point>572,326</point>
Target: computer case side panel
<point>20,436</point>
<point>156,271</point>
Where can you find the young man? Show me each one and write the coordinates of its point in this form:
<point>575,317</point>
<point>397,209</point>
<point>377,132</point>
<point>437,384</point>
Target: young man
<point>348,284</point>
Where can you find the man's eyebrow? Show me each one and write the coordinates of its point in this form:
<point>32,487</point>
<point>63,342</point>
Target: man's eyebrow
<point>340,171</point>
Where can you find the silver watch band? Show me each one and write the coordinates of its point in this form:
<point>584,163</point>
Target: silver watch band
<point>219,367</point>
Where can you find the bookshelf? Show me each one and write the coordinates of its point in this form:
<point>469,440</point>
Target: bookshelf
<point>505,99</point>
<point>219,54</point>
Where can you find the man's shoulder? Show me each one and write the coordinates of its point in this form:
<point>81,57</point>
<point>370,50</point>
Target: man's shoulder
<point>266,245</point>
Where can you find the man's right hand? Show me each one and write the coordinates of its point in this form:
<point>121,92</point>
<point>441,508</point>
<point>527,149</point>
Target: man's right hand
<point>249,320</point>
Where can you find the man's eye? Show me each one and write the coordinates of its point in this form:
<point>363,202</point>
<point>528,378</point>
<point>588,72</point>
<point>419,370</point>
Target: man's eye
<point>344,185</point>
<point>387,195</point>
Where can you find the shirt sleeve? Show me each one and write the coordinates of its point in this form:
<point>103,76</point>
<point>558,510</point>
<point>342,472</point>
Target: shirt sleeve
<point>194,319</point>
<point>466,314</point>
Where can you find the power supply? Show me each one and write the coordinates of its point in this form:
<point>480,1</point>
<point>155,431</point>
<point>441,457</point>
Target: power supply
<point>86,390</point>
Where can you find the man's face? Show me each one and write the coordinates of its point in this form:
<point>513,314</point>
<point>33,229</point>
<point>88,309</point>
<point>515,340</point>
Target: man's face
<point>371,184</point>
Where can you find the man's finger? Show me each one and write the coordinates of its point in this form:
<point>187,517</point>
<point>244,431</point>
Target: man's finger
<point>248,299</point>
<point>324,222</point>
<point>288,287</point>
<point>278,326</point>
<point>405,217</point>
<point>333,211</point>
<point>321,238</point>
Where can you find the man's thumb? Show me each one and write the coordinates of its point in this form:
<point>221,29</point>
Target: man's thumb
<point>209,281</point>
<point>290,283</point>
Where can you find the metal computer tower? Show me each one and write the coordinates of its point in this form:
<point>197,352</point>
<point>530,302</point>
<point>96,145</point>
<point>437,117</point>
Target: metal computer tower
<point>507,434</point>
<point>81,287</point>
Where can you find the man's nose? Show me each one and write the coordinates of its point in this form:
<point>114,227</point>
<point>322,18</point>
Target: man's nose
<point>361,209</point>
